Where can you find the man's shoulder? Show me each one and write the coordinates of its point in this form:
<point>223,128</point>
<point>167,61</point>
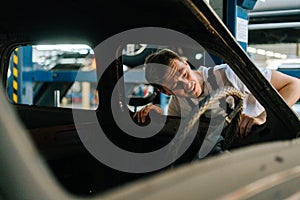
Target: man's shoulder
<point>221,66</point>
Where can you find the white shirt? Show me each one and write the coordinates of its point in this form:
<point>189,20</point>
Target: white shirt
<point>250,105</point>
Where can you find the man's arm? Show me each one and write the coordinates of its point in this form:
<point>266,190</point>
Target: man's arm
<point>287,86</point>
<point>247,122</point>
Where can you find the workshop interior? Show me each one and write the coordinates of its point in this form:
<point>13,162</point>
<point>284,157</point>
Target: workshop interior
<point>68,67</point>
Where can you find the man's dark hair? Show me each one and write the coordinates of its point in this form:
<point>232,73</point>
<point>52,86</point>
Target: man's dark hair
<point>157,65</point>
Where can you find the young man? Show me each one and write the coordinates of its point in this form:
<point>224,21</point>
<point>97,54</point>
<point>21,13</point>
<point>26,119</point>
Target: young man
<point>172,75</point>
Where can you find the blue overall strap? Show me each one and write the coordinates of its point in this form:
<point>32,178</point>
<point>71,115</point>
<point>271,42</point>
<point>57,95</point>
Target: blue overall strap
<point>212,83</point>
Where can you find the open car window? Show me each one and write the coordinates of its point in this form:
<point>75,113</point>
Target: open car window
<point>138,91</point>
<point>282,57</point>
<point>53,76</point>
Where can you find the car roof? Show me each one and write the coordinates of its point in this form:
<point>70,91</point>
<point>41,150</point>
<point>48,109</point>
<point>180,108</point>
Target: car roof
<point>96,20</point>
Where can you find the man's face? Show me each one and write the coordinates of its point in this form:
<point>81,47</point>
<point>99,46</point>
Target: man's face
<point>182,81</point>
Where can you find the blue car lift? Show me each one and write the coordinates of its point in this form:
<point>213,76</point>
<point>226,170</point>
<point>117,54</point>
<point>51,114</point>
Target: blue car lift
<point>24,75</point>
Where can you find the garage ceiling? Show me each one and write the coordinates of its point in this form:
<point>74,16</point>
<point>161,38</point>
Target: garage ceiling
<point>275,21</point>
<point>274,26</point>
<point>267,5</point>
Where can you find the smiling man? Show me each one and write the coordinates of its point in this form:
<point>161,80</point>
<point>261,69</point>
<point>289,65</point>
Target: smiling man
<point>172,75</point>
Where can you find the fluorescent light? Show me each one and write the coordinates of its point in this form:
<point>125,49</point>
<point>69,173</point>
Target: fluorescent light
<point>251,50</point>
<point>198,56</point>
<point>261,52</point>
<point>283,56</point>
<point>277,55</point>
<point>270,53</point>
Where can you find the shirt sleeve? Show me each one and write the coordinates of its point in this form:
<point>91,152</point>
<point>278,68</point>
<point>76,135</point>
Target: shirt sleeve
<point>237,83</point>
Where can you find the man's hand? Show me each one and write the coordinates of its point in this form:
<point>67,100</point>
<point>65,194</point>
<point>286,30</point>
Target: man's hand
<point>144,112</point>
<point>247,122</point>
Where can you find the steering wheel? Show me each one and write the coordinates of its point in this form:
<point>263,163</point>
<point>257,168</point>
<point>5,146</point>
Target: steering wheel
<point>231,120</point>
